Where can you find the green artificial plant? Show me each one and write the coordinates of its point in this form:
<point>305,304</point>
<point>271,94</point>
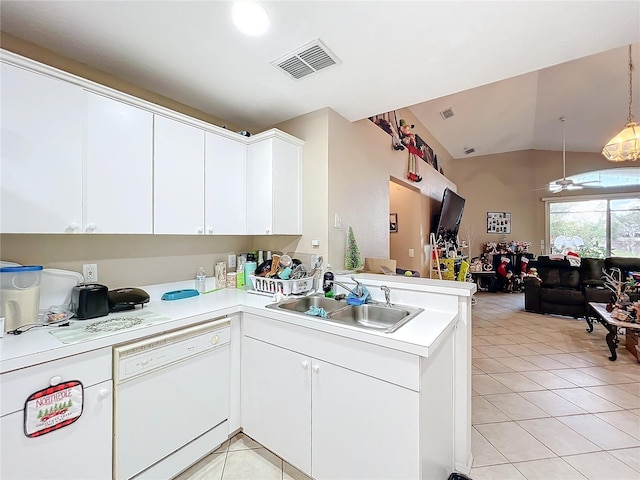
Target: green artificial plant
<point>352,260</point>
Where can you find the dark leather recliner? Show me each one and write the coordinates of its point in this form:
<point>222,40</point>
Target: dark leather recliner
<point>557,289</point>
<point>563,289</point>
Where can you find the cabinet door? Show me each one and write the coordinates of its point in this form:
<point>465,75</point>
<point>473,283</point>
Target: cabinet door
<point>80,451</point>
<point>276,400</point>
<point>225,184</point>
<point>119,165</point>
<point>287,188</point>
<point>260,188</point>
<point>363,428</point>
<point>41,181</point>
<point>178,190</point>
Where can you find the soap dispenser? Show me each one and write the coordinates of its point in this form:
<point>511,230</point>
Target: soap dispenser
<point>327,283</point>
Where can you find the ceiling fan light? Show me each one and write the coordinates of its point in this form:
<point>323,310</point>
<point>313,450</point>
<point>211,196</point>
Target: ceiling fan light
<point>625,146</point>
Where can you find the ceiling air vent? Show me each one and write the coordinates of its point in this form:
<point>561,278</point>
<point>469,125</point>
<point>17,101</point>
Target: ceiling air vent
<point>469,150</point>
<point>446,114</point>
<point>306,60</point>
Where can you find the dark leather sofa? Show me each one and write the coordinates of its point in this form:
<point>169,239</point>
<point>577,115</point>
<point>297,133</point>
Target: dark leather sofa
<point>563,289</point>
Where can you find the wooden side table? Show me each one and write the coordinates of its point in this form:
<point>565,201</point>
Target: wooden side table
<point>612,325</point>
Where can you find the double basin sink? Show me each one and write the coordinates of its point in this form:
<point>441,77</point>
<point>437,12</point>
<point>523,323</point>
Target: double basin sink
<point>370,316</point>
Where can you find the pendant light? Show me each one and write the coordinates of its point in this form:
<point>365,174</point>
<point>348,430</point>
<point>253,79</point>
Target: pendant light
<point>626,145</point>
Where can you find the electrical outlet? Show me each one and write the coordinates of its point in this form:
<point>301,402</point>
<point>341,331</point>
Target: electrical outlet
<point>337,221</point>
<point>412,253</point>
<point>90,272</point>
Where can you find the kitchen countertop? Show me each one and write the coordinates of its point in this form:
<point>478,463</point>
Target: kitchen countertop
<point>420,336</point>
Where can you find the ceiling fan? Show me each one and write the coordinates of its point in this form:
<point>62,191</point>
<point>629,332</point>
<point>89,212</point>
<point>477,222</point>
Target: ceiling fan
<point>565,183</point>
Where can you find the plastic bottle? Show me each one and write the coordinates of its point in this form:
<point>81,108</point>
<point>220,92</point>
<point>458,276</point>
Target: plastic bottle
<point>201,280</point>
<point>327,283</point>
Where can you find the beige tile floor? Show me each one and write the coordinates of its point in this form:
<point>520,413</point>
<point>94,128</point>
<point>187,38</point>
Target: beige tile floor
<point>241,458</point>
<point>547,404</point>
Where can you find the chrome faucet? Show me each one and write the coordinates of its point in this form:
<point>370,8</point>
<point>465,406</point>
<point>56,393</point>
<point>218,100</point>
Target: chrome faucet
<point>358,291</point>
<point>387,295</point>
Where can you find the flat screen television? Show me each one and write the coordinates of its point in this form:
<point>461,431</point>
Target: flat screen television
<point>448,222</point>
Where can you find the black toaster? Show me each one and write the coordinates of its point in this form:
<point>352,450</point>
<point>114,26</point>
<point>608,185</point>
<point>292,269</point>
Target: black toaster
<point>90,300</point>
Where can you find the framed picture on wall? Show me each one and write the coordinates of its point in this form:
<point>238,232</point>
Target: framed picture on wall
<point>499,222</point>
<point>393,222</point>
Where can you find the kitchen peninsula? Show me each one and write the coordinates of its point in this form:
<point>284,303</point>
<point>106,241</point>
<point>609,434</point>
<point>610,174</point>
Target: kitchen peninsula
<point>410,389</point>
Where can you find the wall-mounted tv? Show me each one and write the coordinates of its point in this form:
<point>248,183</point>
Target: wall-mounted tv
<point>448,222</point>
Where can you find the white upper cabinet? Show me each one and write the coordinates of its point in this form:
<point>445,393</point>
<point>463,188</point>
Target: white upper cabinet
<point>225,183</point>
<point>274,185</point>
<point>178,192</point>
<point>119,165</point>
<point>78,157</point>
<point>41,163</point>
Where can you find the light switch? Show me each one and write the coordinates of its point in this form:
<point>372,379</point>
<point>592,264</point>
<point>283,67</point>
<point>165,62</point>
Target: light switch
<point>412,253</point>
<point>315,243</point>
<point>337,221</point>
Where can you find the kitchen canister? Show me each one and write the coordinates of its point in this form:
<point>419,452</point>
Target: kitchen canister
<point>19,295</point>
<point>221,274</point>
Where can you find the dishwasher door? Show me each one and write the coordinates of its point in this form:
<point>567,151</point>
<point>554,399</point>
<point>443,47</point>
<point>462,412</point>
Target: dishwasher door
<point>168,391</point>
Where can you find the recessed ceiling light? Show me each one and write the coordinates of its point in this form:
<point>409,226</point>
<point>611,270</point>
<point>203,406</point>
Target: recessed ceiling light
<point>250,18</point>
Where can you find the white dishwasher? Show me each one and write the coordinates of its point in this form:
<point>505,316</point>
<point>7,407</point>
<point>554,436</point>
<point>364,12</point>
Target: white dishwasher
<point>171,400</point>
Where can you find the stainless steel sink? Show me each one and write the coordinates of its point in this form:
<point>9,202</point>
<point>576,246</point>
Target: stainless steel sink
<point>375,316</point>
<point>378,317</point>
<point>303,304</point>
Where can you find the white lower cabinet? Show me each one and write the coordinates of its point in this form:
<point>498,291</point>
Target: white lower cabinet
<point>276,400</point>
<point>363,428</point>
<point>79,451</point>
<point>328,421</point>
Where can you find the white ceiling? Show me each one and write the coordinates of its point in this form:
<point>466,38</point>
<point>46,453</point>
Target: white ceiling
<point>508,68</point>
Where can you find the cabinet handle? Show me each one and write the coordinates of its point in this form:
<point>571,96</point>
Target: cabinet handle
<point>210,230</point>
<point>73,226</point>
<point>215,339</point>
<point>91,227</point>
<point>55,380</point>
<point>200,230</point>
<point>103,393</point>
<point>267,231</point>
<point>316,368</point>
<point>304,364</point>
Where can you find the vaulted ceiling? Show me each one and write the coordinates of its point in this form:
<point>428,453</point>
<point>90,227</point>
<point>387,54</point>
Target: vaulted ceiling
<point>508,69</point>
